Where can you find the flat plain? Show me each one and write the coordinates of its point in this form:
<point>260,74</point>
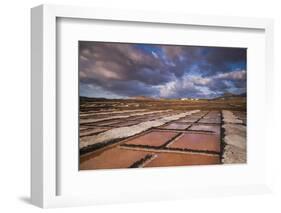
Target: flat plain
<point>135,133</point>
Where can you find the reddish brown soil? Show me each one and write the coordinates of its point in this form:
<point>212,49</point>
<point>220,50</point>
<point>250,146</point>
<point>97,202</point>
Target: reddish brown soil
<point>176,125</point>
<point>189,119</point>
<point>210,120</point>
<point>154,138</point>
<point>109,122</point>
<point>173,159</point>
<point>126,123</point>
<point>111,159</point>
<point>91,131</point>
<point>206,127</point>
<point>205,142</point>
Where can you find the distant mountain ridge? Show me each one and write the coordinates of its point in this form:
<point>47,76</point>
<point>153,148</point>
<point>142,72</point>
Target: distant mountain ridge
<point>83,98</point>
<point>229,95</point>
<point>142,97</point>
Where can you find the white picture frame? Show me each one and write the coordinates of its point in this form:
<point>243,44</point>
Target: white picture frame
<point>44,149</point>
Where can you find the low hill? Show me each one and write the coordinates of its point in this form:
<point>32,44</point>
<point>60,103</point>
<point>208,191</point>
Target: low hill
<point>228,95</point>
<point>142,98</point>
<point>83,98</point>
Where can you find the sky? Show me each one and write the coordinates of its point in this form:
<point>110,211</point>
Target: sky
<point>122,70</point>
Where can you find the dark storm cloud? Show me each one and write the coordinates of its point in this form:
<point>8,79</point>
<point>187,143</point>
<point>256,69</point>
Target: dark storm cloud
<point>160,70</point>
<point>209,60</point>
<point>103,61</point>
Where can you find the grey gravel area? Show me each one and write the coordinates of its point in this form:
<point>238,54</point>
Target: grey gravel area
<point>235,150</point>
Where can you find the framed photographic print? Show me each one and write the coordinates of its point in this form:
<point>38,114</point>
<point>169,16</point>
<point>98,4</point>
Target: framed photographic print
<point>130,106</point>
<point>151,105</point>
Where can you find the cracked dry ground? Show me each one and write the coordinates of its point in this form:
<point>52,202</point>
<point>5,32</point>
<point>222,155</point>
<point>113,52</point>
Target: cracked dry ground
<point>112,139</point>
